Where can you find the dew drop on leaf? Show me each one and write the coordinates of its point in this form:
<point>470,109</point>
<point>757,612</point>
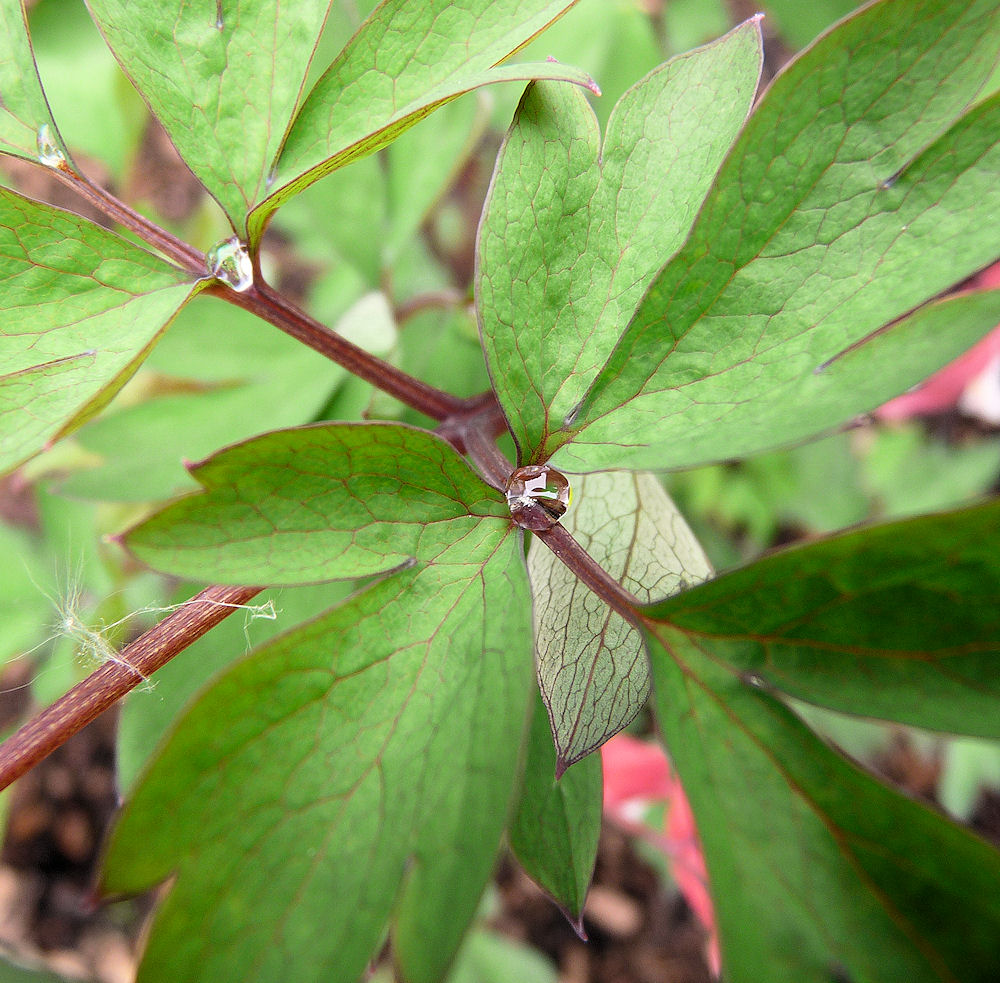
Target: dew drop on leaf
<point>229,262</point>
<point>754,680</point>
<point>49,153</point>
<point>538,496</point>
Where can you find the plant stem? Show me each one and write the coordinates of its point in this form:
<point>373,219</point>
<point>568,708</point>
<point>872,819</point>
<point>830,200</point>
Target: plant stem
<point>590,572</point>
<point>87,700</point>
<point>428,301</point>
<point>176,250</point>
<point>269,305</point>
<point>266,303</point>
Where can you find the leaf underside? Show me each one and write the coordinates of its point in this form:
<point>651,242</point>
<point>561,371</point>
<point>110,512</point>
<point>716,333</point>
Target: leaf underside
<point>591,663</point>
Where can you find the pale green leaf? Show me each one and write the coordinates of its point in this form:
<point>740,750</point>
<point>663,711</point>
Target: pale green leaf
<point>222,77</point>
<point>81,308</point>
<point>592,667</point>
<point>573,231</point>
<point>855,193</point>
<point>326,502</point>
<point>487,957</point>
<point>361,766</point>
<point>406,60</point>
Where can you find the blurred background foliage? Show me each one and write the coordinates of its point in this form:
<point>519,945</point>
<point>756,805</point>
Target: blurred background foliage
<point>383,251</point>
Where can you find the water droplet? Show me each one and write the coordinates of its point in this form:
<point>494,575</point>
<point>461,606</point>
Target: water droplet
<point>754,679</point>
<point>220,22</point>
<point>538,496</point>
<point>49,152</point>
<point>229,262</point>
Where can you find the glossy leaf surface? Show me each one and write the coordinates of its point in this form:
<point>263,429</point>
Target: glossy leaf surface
<point>405,61</point>
<point>555,830</point>
<point>573,230</point>
<point>856,192</point>
<point>898,621</point>
<point>345,769</point>
<point>592,666</point>
<point>223,79</point>
<point>327,502</point>
<point>81,308</point>
<point>818,872</point>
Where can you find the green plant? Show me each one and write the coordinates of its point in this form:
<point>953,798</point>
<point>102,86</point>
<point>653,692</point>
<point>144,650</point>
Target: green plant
<point>704,282</point>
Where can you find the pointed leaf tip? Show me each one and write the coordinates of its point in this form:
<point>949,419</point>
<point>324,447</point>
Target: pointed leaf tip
<point>575,923</point>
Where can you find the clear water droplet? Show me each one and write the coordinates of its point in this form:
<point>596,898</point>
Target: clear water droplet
<point>49,152</point>
<point>220,21</point>
<point>538,496</point>
<point>229,262</point>
<point>754,679</point>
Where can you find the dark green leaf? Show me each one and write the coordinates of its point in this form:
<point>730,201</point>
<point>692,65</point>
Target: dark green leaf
<point>818,872</point>
<point>558,821</point>
<point>374,747</point>
<point>574,231</point>
<point>81,309</point>
<point>899,621</point>
<point>851,197</point>
<point>331,501</point>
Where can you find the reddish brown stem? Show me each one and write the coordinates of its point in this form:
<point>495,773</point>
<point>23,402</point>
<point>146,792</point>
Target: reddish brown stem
<point>176,250</point>
<point>101,689</point>
<point>263,301</point>
<point>566,548</point>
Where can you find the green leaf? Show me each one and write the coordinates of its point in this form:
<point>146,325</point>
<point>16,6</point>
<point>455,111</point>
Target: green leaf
<point>150,713</point>
<point>912,473</point>
<point>24,607</point>
<point>592,667</point>
<point>374,747</point>
<point>426,161</point>
<point>818,872</point>
<point>573,231</point>
<point>898,621</point>
<point>799,23</point>
<point>143,447</point>
<point>558,821</point>
<point>223,79</point>
<point>851,197</point>
<point>487,957</point>
<point>326,502</point>
<point>406,60</point>
<point>23,109</point>
<point>81,307</point>
<point>100,114</point>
